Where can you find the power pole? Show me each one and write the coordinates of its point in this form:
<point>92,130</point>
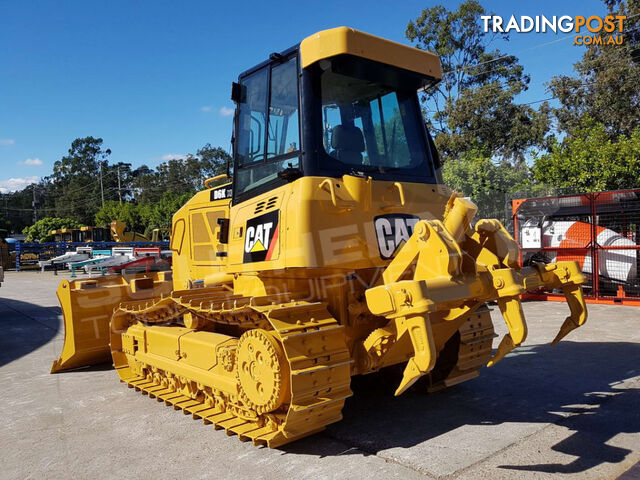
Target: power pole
<point>119,191</point>
<point>101,186</point>
<point>33,204</point>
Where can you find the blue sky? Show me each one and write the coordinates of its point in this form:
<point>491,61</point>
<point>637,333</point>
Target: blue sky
<point>152,78</point>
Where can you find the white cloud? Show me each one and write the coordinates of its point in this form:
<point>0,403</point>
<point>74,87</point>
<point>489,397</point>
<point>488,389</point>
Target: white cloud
<point>31,162</point>
<point>7,141</point>
<point>226,111</point>
<point>206,109</point>
<point>172,156</point>
<point>15,184</point>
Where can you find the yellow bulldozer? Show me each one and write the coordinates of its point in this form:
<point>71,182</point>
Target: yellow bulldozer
<point>119,233</point>
<point>335,251</point>
<point>116,232</point>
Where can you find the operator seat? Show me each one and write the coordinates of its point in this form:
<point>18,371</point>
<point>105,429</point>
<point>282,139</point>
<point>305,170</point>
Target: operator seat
<point>347,142</point>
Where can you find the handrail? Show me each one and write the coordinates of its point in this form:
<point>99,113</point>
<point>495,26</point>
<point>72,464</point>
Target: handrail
<point>327,182</point>
<point>213,179</point>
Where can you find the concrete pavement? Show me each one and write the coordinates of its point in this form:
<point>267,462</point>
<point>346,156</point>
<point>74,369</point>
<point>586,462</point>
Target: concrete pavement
<point>570,411</point>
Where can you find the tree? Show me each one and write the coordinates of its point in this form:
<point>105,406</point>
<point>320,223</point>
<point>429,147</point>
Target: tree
<point>73,189</point>
<point>474,105</point>
<point>126,212</point>
<point>160,213</point>
<point>75,182</point>
<point>485,181</point>
<point>118,181</point>
<point>588,159</point>
<point>143,218</point>
<point>179,175</point>
<point>5,224</point>
<point>18,207</point>
<point>41,230</point>
<point>607,85</point>
<point>213,160</point>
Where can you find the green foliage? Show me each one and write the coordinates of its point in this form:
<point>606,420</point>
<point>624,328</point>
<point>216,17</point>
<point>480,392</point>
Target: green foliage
<point>588,159</point>
<point>180,176</point>
<point>19,205</point>
<point>607,86</point>
<point>474,105</point>
<point>126,212</point>
<point>5,224</point>
<point>486,182</point>
<point>143,218</point>
<point>488,116</point>
<point>160,213</point>
<point>41,230</point>
<point>74,189</point>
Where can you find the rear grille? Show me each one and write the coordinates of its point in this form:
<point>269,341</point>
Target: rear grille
<point>259,207</point>
<point>265,205</point>
<point>271,202</point>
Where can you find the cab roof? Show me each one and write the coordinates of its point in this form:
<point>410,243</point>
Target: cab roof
<point>348,41</point>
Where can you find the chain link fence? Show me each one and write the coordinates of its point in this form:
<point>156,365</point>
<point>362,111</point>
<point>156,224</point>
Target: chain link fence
<point>600,231</point>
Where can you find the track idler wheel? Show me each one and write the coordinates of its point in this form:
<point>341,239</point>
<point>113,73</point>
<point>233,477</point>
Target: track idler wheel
<point>262,371</point>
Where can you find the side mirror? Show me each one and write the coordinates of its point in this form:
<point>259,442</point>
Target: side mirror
<point>236,92</point>
<point>290,173</point>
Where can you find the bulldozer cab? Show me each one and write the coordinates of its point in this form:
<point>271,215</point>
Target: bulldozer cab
<point>309,112</point>
<point>95,234</point>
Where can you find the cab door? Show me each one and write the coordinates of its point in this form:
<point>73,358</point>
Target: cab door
<point>207,253</point>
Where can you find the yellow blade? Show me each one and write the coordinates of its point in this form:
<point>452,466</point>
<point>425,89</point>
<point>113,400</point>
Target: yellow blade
<point>87,306</point>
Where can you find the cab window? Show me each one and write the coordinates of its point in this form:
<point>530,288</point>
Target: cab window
<point>252,119</point>
<point>268,125</point>
<point>283,135</point>
<point>371,127</point>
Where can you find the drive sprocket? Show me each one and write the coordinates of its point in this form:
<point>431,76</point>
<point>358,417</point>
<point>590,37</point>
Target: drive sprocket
<point>262,371</point>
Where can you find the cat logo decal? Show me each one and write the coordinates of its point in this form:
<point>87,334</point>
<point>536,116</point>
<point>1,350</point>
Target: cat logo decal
<point>392,231</point>
<point>261,237</point>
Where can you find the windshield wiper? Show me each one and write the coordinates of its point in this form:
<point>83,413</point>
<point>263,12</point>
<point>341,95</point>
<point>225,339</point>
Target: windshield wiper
<point>391,169</point>
<point>361,169</point>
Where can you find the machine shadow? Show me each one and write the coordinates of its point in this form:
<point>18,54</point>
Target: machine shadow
<point>572,385</point>
<point>25,327</point>
<point>98,367</point>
